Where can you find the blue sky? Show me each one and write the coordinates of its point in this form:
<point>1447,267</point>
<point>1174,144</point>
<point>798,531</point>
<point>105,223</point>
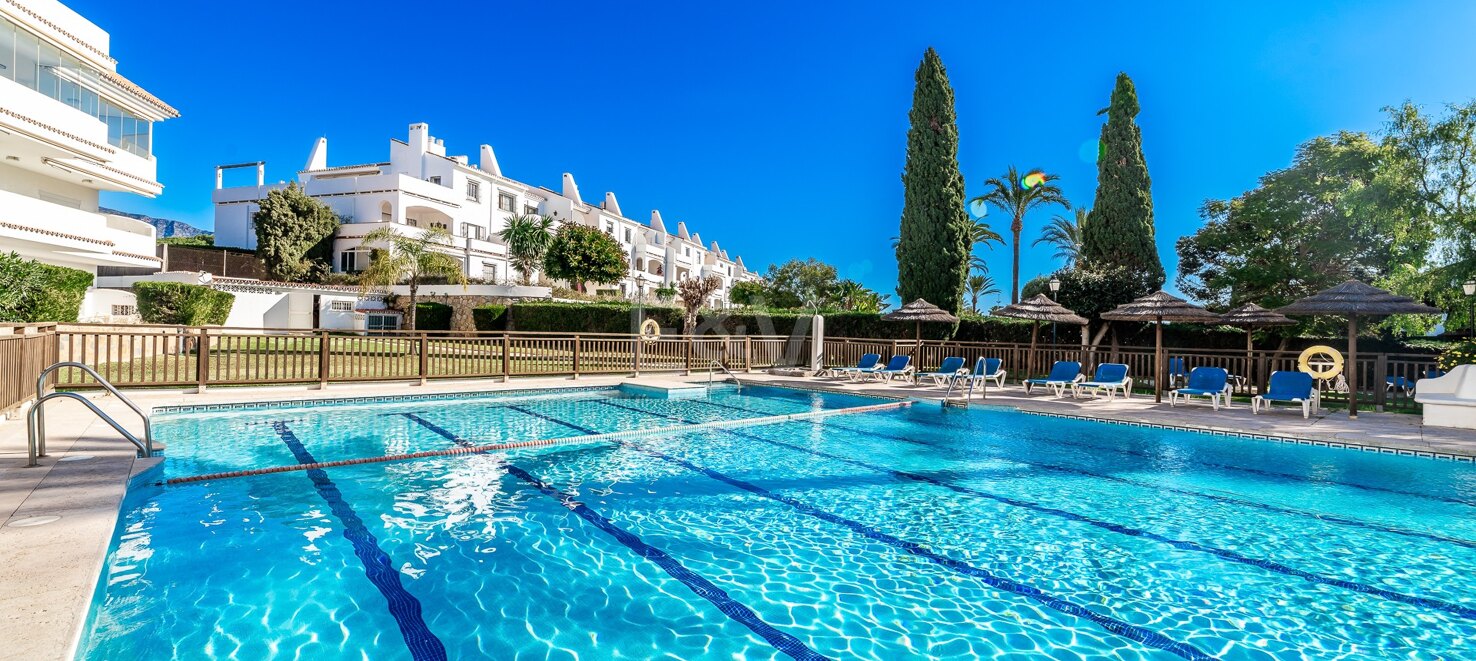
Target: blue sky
<point>778,129</point>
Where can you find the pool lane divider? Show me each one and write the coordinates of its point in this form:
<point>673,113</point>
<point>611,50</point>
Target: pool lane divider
<point>1127,630</point>
<point>695,582</point>
<point>587,436</point>
<point>380,570</point>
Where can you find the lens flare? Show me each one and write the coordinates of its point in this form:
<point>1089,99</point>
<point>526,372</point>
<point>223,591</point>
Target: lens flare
<point>1033,179</point>
<point>979,208</point>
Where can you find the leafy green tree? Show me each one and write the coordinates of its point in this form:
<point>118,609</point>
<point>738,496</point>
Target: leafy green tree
<point>1119,230</point>
<point>748,293</point>
<point>1064,234</point>
<point>196,240</point>
<point>1012,196</point>
<point>979,286</point>
<point>528,237</point>
<point>1090,292</point>
<point>665,294</point>
<point>1336,213</point>
<point>801,284</point>
<point>853,296</point>
<point>1437,156</point>
<point>580,254</point>
<point>693,293</point>
<point>294,235</point>
<point>411,259</point>
<point>934,242</point>
<point>183,304</point>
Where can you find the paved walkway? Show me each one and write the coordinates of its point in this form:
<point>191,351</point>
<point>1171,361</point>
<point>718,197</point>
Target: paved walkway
<point>51,569</point>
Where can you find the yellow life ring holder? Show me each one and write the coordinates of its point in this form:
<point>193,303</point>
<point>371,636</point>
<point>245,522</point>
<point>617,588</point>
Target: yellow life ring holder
<point>650,331</point>
<point>1322,362</point>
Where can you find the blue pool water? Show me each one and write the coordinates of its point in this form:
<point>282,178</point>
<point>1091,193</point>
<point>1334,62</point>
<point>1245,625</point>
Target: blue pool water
<point>907,533</point>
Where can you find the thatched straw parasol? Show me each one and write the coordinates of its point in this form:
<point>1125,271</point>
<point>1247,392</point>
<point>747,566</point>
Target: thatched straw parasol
<point>1038,309</point>
<point>1250,317</point>
<point>1353,299</point>
<point>1159,307</point>
<point>917,312</point>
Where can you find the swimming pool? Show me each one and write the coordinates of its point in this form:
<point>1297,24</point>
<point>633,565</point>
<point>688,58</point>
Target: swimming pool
<point>907,533</point>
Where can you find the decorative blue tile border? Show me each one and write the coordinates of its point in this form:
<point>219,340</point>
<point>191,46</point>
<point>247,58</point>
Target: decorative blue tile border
<point>1403,452</point>
<point>370,399</point>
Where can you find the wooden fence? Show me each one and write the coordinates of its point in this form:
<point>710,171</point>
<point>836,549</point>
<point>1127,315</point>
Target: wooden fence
<point>189,356</point>
<point>1385,379</point>
<point>25,350</point>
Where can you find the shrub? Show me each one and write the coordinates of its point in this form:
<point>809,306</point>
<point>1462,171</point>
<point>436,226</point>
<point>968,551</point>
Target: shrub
<point>35,292</point>
<point>607,317</point>
<point>1460,354</point>
<point>179,303</point>
<point>490,317</point>
<point>432,316</point>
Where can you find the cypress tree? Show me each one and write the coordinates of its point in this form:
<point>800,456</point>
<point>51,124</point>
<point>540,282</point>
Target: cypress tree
<point>1119,230</point>
<point>933,245</point>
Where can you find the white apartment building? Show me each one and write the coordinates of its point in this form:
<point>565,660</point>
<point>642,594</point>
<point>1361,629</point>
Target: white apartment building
<point>420,187</point>
<point>70,126</point>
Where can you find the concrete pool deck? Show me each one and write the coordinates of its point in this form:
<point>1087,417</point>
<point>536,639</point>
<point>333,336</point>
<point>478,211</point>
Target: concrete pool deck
<point>53,568</point>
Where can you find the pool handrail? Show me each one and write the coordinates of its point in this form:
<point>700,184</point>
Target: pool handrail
<point>36,423</point>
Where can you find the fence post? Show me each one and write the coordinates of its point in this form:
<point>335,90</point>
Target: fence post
<point>747,354</point>
<point>1380,380</point>
<point>894,348</point>
<point>636,342</point>
<point>689,355</point>
<point>576,357</point>
<point>202,360</point>
<point>424,358</point>
<point>506,360</point>
<point>323,360</point>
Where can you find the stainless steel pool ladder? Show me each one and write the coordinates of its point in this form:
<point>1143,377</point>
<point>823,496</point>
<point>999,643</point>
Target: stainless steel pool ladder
<point>724,368</point>
<point>36,423</point>
<point>968,396</point>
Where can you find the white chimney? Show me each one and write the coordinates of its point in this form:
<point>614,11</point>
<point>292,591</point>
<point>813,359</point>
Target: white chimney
<point>571,189</point>
<point>489,161</point>
<point>682,230</point>
<point>318,157</point>
<point>611,205</point>
<point>656,223</point>
<point>420,138</point>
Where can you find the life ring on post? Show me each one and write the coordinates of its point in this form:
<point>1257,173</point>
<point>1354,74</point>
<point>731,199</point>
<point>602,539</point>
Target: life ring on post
<point>1322,362</point>
<point>650,331</point>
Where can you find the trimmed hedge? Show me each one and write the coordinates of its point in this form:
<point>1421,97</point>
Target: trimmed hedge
<point>183,304</point>
<point>430,316</point>
<point>35,292</point>
<point>602,317</point>
<point>489,317</point>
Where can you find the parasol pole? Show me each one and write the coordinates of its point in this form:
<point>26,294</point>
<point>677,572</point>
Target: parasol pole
<point>1158,359</point>
<point>1352,369</point>
<point>1030,360</point>
<point>1250,350</point>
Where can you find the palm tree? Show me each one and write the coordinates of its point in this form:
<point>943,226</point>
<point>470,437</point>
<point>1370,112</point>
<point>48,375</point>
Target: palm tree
<point>410,259</point>
<point>981,234</point>
<point>1012,196</point>
<point>1065,235</point>
<point>853,296</point>
<point>979,285</point>
<point>528,237</point>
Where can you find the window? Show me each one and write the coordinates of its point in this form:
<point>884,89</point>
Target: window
<point>529,210</point>
<point>386,213</point>
<point>124,310</point>
<point>627,235</point>
<point>687,250</point>
<point>412,222</point>
<point>473,231</point>
<point>353,261</point>
<point>489,271</point>
<point>436,179</point>
<point>473,190</point>
<point>341,306</point>
<point>506,202</point>
<point>382,322</point>
<point>610,227</point>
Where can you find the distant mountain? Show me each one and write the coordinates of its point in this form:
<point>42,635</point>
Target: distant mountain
<point>165,227</point>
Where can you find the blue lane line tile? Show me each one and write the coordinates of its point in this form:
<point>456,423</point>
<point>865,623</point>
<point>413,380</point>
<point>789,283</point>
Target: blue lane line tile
<point>1330,518</point>
<point>1232,467</point>
<point>378,567</point>
<point>695,582</point>
<point>1119,627</point>
<point>1456,609</point>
